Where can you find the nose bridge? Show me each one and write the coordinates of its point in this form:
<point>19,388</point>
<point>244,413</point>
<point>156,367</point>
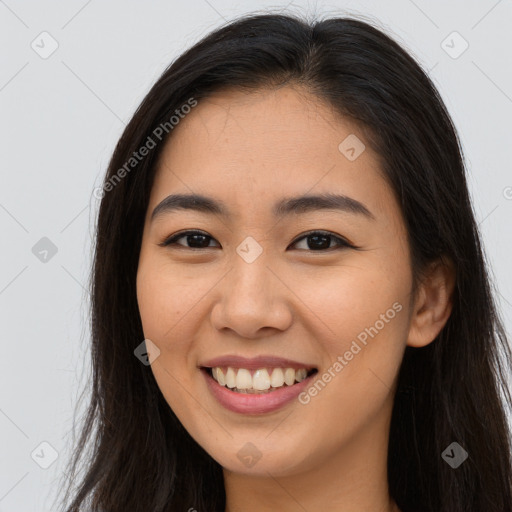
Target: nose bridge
<point>251,281</point>
<point>252,296</point>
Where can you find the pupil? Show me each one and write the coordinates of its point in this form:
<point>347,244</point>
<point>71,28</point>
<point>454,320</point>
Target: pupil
<point>196,237</point>
<point>324,245</point>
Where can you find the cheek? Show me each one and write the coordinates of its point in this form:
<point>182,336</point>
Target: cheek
<point>351,299</point>
<point>363,331</point>
<point>157,306</point>
<point>170,302</point>
<point>166,307</point>
<point>165,298</point>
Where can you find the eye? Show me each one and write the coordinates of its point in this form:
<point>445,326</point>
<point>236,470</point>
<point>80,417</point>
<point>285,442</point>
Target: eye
<point>321,241</point>
<point>196,239</point>
<point>315,240</point>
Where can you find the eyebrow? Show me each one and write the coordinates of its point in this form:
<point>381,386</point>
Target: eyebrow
<point>284,207</point>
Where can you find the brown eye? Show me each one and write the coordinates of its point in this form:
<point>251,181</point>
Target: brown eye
<point>321,241</point>
<point>194,239</point>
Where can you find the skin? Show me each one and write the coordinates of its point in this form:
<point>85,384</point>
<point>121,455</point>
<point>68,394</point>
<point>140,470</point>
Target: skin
<point>250,150</point>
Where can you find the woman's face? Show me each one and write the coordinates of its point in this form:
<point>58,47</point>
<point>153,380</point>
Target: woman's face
<point>262,284</point>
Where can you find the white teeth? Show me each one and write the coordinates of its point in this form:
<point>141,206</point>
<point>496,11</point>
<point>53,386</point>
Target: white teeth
<point>300,375</point>
<point>243,379</point>
<point>263,379</point>
<point>289,376</point>
<point>277,379</point>
<point>230,378</point>
<point>260,380</point>
<point>220,377</point>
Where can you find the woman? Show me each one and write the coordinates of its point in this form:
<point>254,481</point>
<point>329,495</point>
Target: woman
<point>290,306</point>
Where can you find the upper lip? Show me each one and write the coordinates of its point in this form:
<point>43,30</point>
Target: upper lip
<point>255,363</point>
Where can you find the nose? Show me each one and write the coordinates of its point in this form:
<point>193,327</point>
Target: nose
<point>253,300</point>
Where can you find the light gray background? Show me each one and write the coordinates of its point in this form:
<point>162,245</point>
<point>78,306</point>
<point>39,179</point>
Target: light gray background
<point>60,119</point>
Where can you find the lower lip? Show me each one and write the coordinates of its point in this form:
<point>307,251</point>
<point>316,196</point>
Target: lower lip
<point>245,403</point>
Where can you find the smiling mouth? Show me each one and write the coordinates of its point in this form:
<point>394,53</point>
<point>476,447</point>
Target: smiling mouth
<point>260,381</point>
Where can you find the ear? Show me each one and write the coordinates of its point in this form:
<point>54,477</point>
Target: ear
<point>433,304</point>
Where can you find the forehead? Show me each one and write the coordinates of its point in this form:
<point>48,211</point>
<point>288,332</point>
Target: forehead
<point>247,148</point>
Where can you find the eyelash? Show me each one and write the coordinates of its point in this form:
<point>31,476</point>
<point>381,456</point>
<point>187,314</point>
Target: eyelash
<point>342,243</point>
